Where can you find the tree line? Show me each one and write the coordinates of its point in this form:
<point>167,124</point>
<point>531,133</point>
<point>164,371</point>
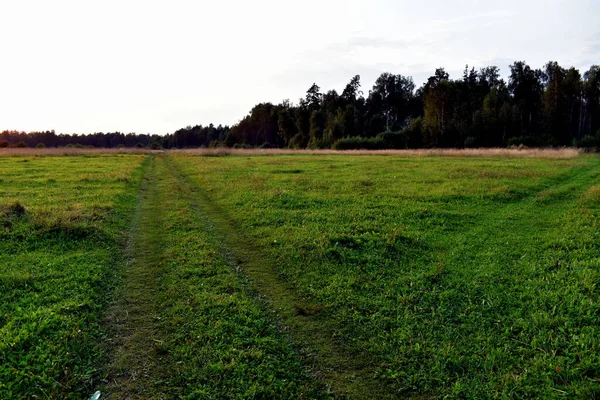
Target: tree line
<point>551,106</point>
<point>197,136</point>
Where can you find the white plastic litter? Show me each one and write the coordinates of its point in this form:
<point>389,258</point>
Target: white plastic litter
<point>96,396</point>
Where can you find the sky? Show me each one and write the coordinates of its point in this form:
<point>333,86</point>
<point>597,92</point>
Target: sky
<point>157,66</point>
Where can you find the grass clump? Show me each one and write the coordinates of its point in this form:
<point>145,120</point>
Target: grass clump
<point>11,210</point>
<point>11,213</point>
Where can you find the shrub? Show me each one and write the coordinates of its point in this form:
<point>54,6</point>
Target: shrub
<point>415,133</point>
<point>4,144</point>
<point>155,146</point>
<point>266,145</point>
<point>527,141</point>
<point>21,145</point>
<point>230,140</point>
<point>395,140</point>
<point>40,146</point>
<point>297,142</point>
<point>470,142</point>
<point>121,146</point>
<point>588,141</point>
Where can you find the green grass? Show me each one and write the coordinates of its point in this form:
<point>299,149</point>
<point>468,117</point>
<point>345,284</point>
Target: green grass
<point>299,276</point>
<point>347,372</point>
<point>456,277</point>
<point>210,337</point>
<point>60,224</point>
<point>222,341</point>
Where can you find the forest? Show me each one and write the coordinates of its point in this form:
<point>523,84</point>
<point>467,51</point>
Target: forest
<point>551,106</point>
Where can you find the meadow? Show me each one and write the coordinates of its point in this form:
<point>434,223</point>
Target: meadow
<point>61,226</point>
<point>245,275</point>
<point>468,277</point>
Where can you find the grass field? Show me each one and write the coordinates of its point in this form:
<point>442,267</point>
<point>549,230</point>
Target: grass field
<point>300,276</point>
<point>470,277</point>
<point>197,332</point>
<point>61,221</point>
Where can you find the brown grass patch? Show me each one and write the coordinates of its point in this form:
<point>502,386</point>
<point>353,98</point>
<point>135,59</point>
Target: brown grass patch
<point>531,153</point>
<point>592,195</point>
<point>68,151</point>
<point>528,152</point>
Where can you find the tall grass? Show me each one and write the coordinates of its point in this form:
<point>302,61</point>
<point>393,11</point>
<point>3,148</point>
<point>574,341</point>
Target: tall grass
<point>530,152</point>
<point>69,151</point>
<point>515,152</point>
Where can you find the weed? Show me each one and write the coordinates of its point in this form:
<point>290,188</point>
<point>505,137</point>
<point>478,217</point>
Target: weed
<point>14,209</point>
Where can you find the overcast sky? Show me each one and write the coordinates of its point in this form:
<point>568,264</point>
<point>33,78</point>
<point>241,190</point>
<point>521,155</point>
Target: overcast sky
<point>153,67</point>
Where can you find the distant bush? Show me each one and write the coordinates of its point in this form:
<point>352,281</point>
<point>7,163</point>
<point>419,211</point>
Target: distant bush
<point>242,146</point>
<point>297,142</point>
<point>121,146</point>
<point>471,142</point>
<point>415,133</point>
<point>40,146</point>
<point>215,144</point>
<point>359,143</point>
<point>385,140</point>
<point>230,140</point>
<point>588,141</point>
<point>395,140</point>
<point>21,145</point>
<point>139,145</point>
<point>155,146</point>
<point>4,144</point>
<point>266,145</point>
<point>528,141</point>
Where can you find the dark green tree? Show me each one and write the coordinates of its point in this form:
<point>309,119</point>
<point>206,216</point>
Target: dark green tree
<point>590,116</point>
<point>525,86</point>
<point>438,94</point>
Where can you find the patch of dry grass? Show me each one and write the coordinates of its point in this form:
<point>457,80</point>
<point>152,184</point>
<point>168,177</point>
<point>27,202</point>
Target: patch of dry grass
<point>516,152</point>
<point>530,152</point>
<point>592,195</point>
<point>69,151</point>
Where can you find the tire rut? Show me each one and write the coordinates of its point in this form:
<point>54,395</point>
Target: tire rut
<point>347,372</point>
<point>134,331</point>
